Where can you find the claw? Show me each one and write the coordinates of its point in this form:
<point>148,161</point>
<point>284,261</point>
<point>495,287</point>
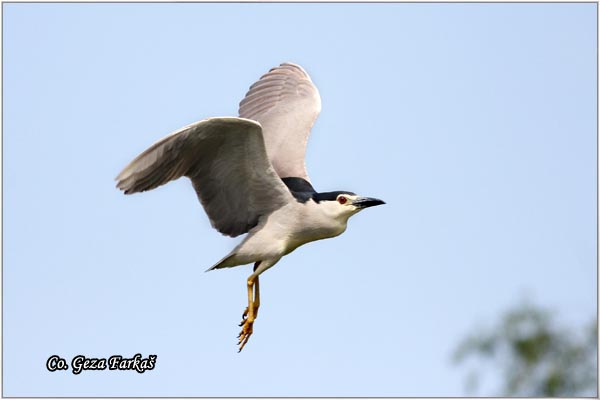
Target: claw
<point>246,332</point>
<point>244,315</point>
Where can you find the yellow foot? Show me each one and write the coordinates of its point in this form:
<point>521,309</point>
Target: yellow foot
<point>245,333</point>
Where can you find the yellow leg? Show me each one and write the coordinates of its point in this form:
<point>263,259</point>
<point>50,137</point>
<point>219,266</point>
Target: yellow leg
<point>256,298</point>
<point>251,311</point>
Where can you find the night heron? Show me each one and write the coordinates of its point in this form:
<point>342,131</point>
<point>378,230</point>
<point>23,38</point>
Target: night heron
<point>249,174</point>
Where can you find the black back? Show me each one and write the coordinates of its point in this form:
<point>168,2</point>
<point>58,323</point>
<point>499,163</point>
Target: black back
<point>303,191</point>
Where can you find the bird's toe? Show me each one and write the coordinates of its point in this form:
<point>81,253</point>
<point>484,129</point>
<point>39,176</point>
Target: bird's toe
<point>245,334</point>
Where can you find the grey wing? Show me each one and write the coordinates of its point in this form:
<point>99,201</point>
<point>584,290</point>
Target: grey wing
<point>287,104</point>
<point>227,162</point>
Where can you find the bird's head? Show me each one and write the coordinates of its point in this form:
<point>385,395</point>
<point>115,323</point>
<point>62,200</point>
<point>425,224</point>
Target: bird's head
<point>343,204</point>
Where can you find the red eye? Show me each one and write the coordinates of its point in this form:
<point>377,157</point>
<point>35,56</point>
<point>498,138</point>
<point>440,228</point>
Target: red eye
<point>342,200</point>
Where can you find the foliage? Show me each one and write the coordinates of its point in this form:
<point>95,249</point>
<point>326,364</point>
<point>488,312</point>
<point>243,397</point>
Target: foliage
<point>537,358</point>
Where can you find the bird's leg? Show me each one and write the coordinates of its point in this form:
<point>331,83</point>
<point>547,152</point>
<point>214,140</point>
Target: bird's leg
<point>250,301</point>
<point>249,315</point>
<point>251,311</point>
<point>256,297</point>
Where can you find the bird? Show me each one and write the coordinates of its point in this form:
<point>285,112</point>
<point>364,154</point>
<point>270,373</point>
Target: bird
<point>250,176</point>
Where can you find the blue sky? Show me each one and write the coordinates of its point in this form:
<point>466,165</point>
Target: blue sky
<point>476,123</point>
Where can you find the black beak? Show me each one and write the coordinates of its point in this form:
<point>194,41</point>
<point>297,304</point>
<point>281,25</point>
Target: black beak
<point>364,202</point>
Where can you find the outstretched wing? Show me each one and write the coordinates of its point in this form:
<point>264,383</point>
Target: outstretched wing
<point>227,162</point>
<point>286,103</point>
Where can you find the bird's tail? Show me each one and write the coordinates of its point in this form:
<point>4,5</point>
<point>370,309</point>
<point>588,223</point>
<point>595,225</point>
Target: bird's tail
<point>225,262</point>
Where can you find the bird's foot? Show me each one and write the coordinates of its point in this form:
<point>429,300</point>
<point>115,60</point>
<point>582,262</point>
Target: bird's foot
<point>246,331</point>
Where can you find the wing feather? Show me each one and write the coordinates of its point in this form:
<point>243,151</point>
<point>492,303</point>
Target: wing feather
<point>286,103</point>
<point>227,162</point>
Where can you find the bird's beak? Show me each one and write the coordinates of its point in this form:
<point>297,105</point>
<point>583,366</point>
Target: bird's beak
<point>364,202</point>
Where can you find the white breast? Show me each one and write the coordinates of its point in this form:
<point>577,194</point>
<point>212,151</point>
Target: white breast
<point>292,226</point>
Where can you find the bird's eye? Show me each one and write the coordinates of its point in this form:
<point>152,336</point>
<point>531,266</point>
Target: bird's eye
<point>342,200</point>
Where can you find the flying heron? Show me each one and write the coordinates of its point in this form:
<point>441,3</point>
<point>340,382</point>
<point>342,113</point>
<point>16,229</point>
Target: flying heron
<point>250,176</point>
